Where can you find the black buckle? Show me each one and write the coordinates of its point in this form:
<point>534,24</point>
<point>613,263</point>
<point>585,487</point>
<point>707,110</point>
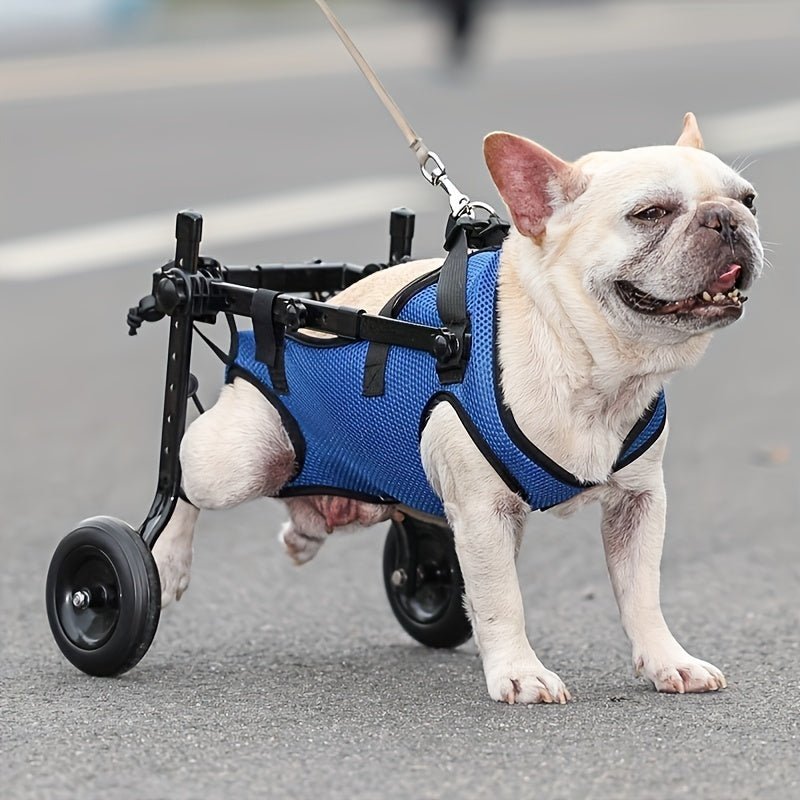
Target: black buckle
<point>452,363</point>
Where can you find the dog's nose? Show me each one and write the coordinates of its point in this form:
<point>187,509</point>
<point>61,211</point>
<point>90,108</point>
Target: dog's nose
<point>719,218</point>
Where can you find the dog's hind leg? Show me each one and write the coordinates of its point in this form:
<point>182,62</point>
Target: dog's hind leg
<point>236,451</point>
<point>304,532</point>
<point>173,552</point>
<point>312,518</point>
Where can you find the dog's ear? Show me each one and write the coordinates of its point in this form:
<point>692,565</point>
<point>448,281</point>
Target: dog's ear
<point>690,135</point>
<point>531,180</point>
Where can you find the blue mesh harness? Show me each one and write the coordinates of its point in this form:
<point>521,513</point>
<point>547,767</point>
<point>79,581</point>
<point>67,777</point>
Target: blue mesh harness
<point>367,447</point>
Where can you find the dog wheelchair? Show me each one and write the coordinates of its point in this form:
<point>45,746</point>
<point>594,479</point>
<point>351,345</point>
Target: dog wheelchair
<point>103,592</point>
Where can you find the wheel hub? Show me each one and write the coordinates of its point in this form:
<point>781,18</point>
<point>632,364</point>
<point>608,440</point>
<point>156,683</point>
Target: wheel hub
<point>81,599</point>
<point>87,590</point>
<point>422,580</point>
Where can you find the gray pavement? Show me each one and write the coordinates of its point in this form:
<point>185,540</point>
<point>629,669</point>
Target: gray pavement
<point>267,680</point>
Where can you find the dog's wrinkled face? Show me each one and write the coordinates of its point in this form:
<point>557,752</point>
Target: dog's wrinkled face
<point>688,245</point>
<point>664,239</point>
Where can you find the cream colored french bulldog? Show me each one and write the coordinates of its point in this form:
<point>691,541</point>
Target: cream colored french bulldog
<point>616,272</point>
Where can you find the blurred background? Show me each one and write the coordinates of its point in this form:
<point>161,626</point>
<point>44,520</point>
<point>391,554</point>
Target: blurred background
<point>115,114</point>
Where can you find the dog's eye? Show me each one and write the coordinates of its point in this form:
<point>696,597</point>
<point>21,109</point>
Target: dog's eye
<point>651,214</point>
<point>749,201</point>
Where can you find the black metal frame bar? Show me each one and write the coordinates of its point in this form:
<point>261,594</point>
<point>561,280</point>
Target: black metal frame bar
<point>188,232</point>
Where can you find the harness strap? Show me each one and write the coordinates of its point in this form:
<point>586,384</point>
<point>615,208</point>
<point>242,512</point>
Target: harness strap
<point>269,337</point>
<point>374,384</point>
<point>644,433</point>
<point>229,357</point>
<point>451,302</point>
<point>375,370</point>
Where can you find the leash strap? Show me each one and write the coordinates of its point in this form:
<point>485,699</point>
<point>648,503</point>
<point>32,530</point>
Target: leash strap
<point>414,141</point>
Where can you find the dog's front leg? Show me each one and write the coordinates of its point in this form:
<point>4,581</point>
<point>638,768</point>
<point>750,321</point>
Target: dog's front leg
<point>633,536</point>
<point>487,521</point>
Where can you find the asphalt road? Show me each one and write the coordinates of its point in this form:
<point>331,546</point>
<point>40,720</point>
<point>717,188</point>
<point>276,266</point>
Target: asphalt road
<point>267,680</point>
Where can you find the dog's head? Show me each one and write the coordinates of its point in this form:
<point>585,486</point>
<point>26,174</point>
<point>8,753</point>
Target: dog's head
<point>663,239</point>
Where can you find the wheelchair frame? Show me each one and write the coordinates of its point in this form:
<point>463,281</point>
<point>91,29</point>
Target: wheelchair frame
<point>103,592</point>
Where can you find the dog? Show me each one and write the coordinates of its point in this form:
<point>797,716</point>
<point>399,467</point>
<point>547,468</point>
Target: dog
<point>616,272</point>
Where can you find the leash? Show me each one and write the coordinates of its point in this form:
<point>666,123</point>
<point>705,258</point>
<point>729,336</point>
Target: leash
<point>431,166</point>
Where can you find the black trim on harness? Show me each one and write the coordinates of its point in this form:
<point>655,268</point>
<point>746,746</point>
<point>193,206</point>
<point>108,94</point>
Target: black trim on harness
<point>472,430</point>
<point>640,425</point>
<point>513,430</point>
<point>643,422</point>
<point>537,456</point>
<point>289,422</point>
<point>310,491</point>
<point>500,468</point>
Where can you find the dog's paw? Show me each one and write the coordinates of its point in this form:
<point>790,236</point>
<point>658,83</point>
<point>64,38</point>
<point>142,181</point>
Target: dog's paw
<point>525,682</point>
<point>174,569</point>
<point>680,673</point>
<point>299,545</point>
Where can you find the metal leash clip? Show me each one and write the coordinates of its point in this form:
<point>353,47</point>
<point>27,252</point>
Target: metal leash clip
<point>460,204</point>
<point>437,176</point>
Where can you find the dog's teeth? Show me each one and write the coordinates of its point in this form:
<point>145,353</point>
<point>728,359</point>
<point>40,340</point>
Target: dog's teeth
<point>735,293</point>
<point>719,297</point>
<point>707,297</point>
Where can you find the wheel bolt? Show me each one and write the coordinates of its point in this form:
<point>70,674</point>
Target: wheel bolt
<point>80,599</point>
<point>399,578</point>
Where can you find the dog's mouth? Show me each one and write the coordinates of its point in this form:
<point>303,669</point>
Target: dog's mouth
<point>721,298</point>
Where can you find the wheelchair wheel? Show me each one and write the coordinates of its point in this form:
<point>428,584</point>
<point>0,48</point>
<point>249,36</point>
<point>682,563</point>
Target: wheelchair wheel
<point>103,596</point>
<point>424,584</point>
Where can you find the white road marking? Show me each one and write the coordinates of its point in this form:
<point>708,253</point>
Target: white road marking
<point>512,35</point>
<point>754,130</point>
<point>152,236</point>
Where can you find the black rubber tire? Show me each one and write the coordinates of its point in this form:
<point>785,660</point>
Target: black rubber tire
<point>110,558</point>
<point>433,611</point>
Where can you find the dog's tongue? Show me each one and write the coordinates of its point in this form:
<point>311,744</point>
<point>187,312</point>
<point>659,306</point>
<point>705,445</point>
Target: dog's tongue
<point>727,280</point>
